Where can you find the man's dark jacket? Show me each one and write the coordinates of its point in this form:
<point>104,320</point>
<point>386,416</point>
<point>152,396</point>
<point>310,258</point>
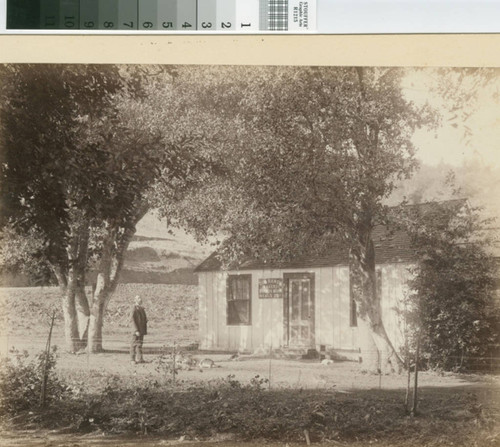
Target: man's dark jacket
<point>140,321</point>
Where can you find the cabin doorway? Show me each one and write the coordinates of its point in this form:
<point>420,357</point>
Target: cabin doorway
<point>298,310</point>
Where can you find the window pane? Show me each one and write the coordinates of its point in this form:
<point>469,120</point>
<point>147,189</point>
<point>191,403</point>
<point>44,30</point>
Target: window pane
<point>238,312</point>
<point>295,300</point>
<point>305,300</point>
<point>244,289</point>
<point>238,297</point>
<point>232,314</point>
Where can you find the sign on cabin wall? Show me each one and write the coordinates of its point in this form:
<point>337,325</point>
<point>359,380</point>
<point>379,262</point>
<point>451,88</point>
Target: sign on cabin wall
<point>270,288</point>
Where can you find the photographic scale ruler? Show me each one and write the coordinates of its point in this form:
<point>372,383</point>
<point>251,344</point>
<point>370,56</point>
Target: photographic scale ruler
<point>248,16</point>
<point>243,16</point>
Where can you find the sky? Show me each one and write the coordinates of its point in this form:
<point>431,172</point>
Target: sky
<point>447,143</point>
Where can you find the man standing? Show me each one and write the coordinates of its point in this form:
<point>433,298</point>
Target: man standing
<point>140,325</point>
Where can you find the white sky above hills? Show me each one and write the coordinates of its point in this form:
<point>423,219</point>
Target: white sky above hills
<point>448,144</point>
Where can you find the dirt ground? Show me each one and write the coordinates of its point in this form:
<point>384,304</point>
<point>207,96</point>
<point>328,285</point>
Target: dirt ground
<point>281,373</point>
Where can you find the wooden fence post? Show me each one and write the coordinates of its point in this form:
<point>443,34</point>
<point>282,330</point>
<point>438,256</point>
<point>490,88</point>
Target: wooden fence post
<point>43,391</point>
<point>415,385</point>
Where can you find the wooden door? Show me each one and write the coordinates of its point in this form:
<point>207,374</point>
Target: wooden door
<point>300,311</point>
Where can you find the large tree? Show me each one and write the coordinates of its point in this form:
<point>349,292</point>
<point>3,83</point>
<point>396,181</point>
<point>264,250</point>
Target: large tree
<point>310,156</point>
<point>81,154</point>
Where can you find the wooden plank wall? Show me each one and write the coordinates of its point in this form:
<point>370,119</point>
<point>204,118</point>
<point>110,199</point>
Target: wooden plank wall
<point>202,311</point>
<point>394,280</point>
<point>331,316</point>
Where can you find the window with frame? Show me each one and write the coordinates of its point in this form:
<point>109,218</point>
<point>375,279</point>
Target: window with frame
<point>239,300</point>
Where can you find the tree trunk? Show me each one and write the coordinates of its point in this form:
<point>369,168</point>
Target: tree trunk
<point>76,307</point>
<point>115,245</point>
<point>68,296</point>
<point>70,275</point>
<point>70,320</point>
<point>96,321</point>
<point>102,294</point>
<point>377,351</point>
<point>81,302</point>
<point>83,313</point>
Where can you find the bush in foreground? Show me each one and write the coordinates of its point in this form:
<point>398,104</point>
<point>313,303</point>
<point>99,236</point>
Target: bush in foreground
<point>253,412</point>
<point>21,381</point>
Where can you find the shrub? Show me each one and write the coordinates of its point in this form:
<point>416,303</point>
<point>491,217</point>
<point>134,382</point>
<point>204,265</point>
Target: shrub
<point>455,310</point>
<point>21,379</point>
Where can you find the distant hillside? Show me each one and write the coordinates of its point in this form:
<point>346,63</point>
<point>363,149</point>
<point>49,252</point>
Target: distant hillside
<point>161,261</point>
<point>159,256</point>
<point>476,181</point>
<point>155,256</point>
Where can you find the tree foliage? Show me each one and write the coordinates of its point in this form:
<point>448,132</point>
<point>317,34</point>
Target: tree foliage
<point>310,152</point>
<point>454,309</point>
<point>82,155</point>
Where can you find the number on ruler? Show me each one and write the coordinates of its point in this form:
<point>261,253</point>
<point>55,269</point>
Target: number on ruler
<point>88,24</point>
<point>147,25</point>
<point>245,24</point>
<point>69,21</point>
<point>50,21</point>
<point>129,24</point>
<point>109,24</point>
<point>167,25</point>
<point>186,25</point>
<point>226,24</point>
<point>206,24</point>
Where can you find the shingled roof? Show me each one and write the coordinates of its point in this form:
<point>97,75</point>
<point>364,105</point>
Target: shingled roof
<point>391,246</point>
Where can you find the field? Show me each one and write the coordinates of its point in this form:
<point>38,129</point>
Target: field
<point>172,313</point>
<point>253,399</point>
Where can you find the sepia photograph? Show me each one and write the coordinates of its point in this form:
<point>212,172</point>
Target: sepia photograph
<point>249,254</point>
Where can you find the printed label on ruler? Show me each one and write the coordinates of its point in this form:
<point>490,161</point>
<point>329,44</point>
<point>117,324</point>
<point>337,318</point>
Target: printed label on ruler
<point>186,15</point>
<point>69,14</point>
<point>127,14</point>
<point>148,12</point>
<point>207,15</point>
<point>226,15</point>
<point>49,14</point>
<point>301,15</point>
<point>247,15</point>
<point>89,14</point>
<point>167,15</point>
<point>108,15</point>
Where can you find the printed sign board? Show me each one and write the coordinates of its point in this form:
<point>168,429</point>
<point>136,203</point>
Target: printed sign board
<point>270,288</point>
